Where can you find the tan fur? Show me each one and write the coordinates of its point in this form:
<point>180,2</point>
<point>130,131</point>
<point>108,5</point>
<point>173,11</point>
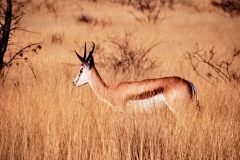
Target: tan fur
<point>176,90</point>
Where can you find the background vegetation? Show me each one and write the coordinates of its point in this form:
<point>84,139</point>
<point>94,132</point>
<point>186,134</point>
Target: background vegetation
<point>42,116</point>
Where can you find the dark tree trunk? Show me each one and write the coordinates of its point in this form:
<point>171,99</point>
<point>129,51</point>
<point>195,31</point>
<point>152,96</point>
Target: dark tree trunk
<point>6,28</point>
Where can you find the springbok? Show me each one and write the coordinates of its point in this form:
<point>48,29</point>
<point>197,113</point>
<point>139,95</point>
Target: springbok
<point>144,95</point>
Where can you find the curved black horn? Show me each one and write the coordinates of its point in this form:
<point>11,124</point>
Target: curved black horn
<point>90,53</point>
<point>82,59</point>
<point>85,51</point>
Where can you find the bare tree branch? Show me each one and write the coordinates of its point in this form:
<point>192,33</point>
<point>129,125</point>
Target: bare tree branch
<point>218,69</point>
<point>21,51</point>
<point>10,22</point>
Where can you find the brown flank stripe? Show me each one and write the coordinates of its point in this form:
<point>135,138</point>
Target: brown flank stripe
<point>146,95</point>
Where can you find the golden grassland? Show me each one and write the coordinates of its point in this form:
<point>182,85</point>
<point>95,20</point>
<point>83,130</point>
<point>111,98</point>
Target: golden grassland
<point>47,118</point>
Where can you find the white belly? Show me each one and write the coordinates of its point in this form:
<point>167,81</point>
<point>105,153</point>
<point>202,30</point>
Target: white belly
<point>149,104</point>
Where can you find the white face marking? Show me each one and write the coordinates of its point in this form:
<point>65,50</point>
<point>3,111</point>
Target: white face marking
<point>144,105</point>
<point>81,78</point>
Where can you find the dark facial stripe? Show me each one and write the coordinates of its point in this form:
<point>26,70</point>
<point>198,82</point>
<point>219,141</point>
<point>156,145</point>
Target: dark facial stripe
<point>146,95</point>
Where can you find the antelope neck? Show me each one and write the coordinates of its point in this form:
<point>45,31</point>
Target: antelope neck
<point>97,84</point>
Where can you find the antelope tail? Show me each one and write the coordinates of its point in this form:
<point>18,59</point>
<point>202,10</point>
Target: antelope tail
<point>194,92</point>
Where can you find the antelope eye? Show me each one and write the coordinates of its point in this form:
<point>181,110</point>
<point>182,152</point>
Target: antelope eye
<point>81,70</point>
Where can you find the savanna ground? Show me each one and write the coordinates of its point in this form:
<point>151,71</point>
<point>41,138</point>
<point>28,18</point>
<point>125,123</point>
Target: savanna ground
<point>42,116</point>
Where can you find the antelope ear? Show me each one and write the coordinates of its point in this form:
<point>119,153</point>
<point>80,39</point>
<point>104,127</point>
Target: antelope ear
<point>82,60</point>
<point>91,62</point>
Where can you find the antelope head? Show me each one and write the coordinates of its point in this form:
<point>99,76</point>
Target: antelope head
<point>87,63</point>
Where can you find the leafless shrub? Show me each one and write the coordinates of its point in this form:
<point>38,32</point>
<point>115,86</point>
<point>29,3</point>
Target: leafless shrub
<point>57,38</point>
<point>49,6</point>
<point>123,2</point>
<point>230,6</point>
<point>190,4</point>
<point>149,9</point>
<point>46,5</point>
<point>218,68</point>
<point>93,0</point>
<point>125,58</point>
<point>84,18</point>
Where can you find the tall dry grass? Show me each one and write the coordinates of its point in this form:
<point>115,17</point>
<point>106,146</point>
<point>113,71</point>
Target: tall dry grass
<point>47,118</point>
